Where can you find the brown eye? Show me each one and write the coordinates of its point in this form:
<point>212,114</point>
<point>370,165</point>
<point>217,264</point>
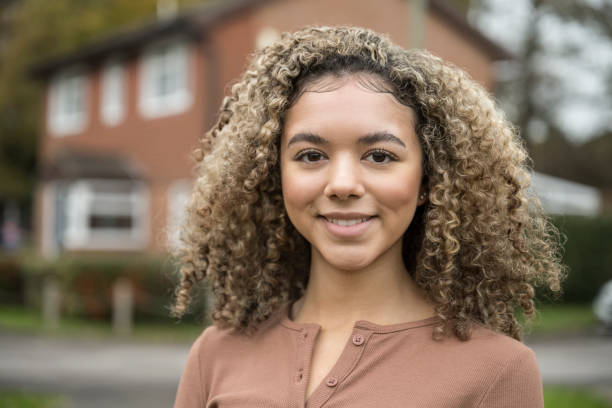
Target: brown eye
<point>380,157</point>
<point>313,156</point>
<point>309,156</point>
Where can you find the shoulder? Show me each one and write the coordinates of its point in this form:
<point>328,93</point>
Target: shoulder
<point>216,341</point>
<point>486,346</point>
<point>489,353</point>
<point>225,344</point>
<point>509,368</point>
<point>493,369</point>
<point>496,346</point>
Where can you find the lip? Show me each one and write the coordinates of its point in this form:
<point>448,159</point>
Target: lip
<point>345,215</point>
<point>347,231</point>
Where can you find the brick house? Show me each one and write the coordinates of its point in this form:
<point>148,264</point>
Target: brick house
<point>122,115</point>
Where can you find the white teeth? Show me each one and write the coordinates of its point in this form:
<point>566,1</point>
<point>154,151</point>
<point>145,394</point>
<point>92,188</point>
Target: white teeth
<point>346,223</point>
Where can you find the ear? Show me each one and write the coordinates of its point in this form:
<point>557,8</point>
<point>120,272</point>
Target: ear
<point>422,199</point>
<point>423,193</point>
<point>423,196</point>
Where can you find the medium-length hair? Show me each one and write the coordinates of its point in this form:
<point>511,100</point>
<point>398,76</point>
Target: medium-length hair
<point>477,246</point>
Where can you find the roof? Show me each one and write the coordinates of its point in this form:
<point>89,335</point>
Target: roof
<point>454,17</point>
<point>74,164</point>
<point>193,23</point>
<point>560,196</point>
<point>196,22</point>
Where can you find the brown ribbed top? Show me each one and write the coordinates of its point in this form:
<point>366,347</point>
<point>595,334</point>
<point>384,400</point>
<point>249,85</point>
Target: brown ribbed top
<point>396,365</point>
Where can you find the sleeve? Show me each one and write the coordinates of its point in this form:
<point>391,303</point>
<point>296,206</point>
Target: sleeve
<point>190,392</point>
<point>518,384</point>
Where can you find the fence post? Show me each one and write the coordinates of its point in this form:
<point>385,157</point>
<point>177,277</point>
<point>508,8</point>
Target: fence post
<point>50,303</point>
<point>122,307</point>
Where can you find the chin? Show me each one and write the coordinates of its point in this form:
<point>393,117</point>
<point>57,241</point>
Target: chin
<point>347,262</point>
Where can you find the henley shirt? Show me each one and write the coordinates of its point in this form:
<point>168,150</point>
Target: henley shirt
<point>381,366</point>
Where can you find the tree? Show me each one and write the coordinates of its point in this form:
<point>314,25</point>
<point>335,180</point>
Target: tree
<point>555,83</point>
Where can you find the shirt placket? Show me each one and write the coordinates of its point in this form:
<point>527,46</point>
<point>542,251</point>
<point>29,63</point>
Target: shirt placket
<point>305,346</point>
<point>348,360</point>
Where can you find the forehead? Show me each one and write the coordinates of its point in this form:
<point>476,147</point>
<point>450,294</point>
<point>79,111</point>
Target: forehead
<point>348,101</point>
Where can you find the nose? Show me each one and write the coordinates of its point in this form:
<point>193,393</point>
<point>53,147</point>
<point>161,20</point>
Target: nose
<point>344,179</point>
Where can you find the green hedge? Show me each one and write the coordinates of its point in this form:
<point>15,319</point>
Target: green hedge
<point>11,280</point>
<point>588,255</point>
<point>86,283</point>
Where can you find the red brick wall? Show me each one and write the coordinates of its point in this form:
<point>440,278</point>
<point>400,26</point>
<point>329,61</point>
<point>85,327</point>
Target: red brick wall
<point>162,147</point>
<point>392,19</point>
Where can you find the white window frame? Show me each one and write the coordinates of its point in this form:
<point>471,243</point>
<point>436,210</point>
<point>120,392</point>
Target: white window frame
<point>170,56</point>
<point>113,95</point>
<point>65,88</point>
<point>80,200</point>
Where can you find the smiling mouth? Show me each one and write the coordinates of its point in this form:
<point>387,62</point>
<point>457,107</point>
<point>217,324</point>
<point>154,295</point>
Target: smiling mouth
<point>347,223</point>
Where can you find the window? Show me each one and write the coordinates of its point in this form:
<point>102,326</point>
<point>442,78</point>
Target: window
<point>68,94</point>
<point>164,79</point>
<point>106,214</point>
<point>113,95</point>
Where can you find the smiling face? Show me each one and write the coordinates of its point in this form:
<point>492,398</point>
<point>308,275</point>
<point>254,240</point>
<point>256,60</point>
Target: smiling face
<point>351,171</point>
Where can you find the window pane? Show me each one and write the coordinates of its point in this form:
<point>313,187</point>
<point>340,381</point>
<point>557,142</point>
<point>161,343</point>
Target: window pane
<point>110,221</point>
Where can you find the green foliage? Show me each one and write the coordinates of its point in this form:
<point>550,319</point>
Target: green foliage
<point>15,399</point>
<point>28,320</point>
<point>11,280</point>
<point>562,397</point>
<point>86,283</point>
<point>588,254</point>
<point>562,319</point>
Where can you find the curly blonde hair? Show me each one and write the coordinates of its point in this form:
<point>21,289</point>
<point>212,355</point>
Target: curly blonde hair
<point>475,248</point>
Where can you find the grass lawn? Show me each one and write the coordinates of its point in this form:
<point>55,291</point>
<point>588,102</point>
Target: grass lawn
<point>554,397</point>
<point>17,399</point>
<point>551,320</point>
<point>28,320</point>
<point>562,397</point>
<point>563,319</point>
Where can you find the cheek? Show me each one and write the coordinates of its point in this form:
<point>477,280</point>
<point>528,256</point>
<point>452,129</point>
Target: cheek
<point>298,191</point>
<point>397,192</point>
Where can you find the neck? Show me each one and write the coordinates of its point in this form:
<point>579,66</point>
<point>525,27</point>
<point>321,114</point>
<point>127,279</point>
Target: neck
<point>382,293</point>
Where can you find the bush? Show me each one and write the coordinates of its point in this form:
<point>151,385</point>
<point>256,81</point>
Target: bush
<point>86,283</point>
<point>588,254</point>
<point>11,280</point>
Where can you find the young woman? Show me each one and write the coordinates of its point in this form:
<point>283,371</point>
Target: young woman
<point>362,219</point>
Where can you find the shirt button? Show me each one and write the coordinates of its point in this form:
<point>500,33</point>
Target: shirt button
<point>331,381</point>
<point>358,339</point>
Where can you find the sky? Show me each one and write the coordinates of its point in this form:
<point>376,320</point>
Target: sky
<point>580,103</point>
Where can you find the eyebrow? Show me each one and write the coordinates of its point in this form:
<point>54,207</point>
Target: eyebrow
<point>369,139</point>
<point>372,138</point>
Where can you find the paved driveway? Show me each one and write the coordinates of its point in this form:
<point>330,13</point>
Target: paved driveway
<point>579,361</point>
<point>93,373</point>
<point>96,374</point>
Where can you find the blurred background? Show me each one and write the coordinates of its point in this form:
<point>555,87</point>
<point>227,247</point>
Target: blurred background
<point>103,101</point>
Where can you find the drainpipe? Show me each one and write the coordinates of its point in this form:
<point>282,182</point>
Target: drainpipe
<point>418,14</point>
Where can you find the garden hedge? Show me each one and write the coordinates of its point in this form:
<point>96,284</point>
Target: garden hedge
<point>86,283</point>
<point>588,255</point>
